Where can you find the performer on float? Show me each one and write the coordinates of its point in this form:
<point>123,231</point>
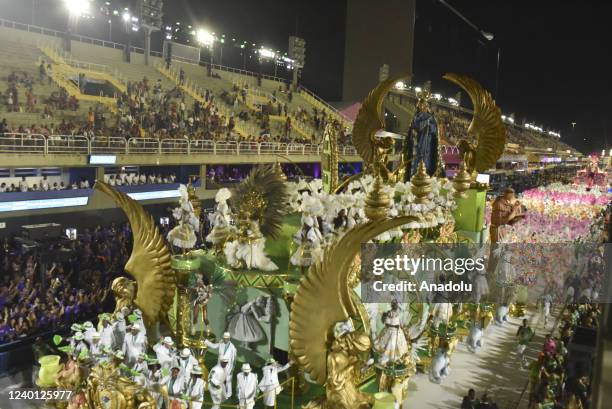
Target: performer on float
<point>247,251</point>
<point>442,312</point>
<point>95,349</point>
<point>200,305</point>
<point>309,239</point>
<point>186,363</point>
<point>155,381</point>
<point>183,235</point>
<point>220,220</point>
<point>79,345</point>
<point>269,384</point>
<point>505,210</point>
<point>88,330</point>
<point>195,388</point>
<point>143,329</point>
<point>391,344</point>
<point>217,383</point>
<point>246,383</point>
<point>175,387</point>
<point>226,351</point>
<point>133,345</point>
<point>142,368</point>
<point>106,333</point>
<point>166,354</point>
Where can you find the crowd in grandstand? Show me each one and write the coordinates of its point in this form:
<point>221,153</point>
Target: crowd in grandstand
<point>38,295</point>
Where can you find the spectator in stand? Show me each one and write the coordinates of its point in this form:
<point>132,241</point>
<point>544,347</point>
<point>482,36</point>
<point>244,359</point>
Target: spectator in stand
<point>23,185</point>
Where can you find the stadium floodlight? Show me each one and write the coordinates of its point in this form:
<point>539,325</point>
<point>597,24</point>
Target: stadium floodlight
<point>266,53</point>
<point>487,35</point>
<point>77,7</point>
<point>205,37</point>
<point>126,16</point>
<point>400,85</point>
<point>417,89</point>
<point>437,96</point>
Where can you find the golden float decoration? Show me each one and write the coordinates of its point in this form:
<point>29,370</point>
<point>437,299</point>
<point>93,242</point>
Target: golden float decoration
<point>149,263</point>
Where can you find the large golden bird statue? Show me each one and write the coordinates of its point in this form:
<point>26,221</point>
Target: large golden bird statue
<point>370,119</point>
<point>486,128</point>
<point>149,263</point>
<point>325,298</point>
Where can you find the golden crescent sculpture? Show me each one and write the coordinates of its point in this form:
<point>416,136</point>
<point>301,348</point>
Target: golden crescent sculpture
<point>370,120</point>
<point>149,262</point>
<point>323,297</point>
<point>486,128</point>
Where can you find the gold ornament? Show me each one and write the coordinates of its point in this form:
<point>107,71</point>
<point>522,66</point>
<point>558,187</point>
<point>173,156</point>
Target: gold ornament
<point>149,262</point>
<point>421,184</point>
<point>377,202</point>
<point>194,200</point>
<point>329,156</point>
<point>124,291</point>
<point>462,182</point>
<point>107,389</point>
<point>371,119</point>
<point>486,127</point>
<point>323,299</point>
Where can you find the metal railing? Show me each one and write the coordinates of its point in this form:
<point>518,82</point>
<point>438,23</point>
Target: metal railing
<point>23,143</point>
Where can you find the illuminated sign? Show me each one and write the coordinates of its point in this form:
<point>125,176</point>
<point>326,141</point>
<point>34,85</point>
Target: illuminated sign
<point>102,159</point>
<point>42,204</point>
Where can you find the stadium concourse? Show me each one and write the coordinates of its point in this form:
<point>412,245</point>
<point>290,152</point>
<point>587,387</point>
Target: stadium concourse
<point>86,136</point>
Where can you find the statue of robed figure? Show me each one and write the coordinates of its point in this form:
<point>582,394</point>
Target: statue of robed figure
<point>422,141</point>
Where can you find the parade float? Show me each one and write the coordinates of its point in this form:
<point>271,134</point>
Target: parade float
<point>279,280</point>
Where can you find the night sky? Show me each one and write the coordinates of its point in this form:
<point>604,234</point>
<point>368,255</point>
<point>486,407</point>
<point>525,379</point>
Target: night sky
<point>555,55</point>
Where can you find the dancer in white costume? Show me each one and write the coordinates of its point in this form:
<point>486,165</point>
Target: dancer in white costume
<point>391,344</point>
<point>195,388</point>
<point>217,381</point>
<point>248,250</point>
<point>184,234</point>
<point>220,219</point>
<point>246,383</point>
<point>310,240</point>
<point>226,352</point>
<point>269,384</point>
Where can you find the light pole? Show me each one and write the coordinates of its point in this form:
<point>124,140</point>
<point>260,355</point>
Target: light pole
<point>487,35</point>
<point>206,39</point>
<point>76,8</point>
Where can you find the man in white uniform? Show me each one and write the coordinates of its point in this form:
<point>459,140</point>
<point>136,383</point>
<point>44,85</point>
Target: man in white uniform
<point>175,387</point>
<point>186,363</point>
<point>226,350</point>
<point>142,368</point>
<point>95,348</point>
<point>216,383</point>
<point>246,383</point>
<point>106,333</point>
<point>195,388</point>
<point>166,354</point>
<point>269,385</point>
<point>133,345</point>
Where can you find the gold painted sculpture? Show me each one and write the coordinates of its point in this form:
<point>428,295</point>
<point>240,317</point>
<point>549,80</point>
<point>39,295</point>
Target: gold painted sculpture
<point>486,128</point>
<point>107,389</point>
<point>329,158</point>
<point>323,299</point>
<point>124,291</point>
<point>149,262</point>
<point>369,121</point>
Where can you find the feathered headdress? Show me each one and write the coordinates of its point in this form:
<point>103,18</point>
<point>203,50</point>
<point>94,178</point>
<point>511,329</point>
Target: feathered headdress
<point>262,197</point>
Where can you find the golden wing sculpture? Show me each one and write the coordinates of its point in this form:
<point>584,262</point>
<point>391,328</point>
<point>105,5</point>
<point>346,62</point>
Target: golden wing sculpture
<point>371,119</point>
<point>323,297</point>
<point>149,262</point>
<point>486,128</point>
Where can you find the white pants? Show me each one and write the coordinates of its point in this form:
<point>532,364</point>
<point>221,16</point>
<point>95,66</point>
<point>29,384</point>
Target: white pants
<point>244,404</point>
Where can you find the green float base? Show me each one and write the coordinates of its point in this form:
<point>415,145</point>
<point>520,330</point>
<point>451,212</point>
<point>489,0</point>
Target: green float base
<point>470,212</point>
